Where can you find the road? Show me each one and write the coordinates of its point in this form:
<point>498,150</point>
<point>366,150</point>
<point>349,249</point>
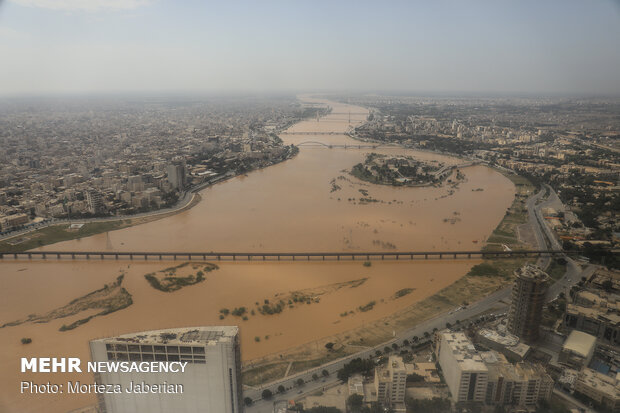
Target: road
<point>496,302</point>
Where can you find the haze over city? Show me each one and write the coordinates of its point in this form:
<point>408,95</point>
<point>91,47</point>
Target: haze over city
<point>71,46</point>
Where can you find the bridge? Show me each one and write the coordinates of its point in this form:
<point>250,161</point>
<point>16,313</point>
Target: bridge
<point>312,133</point>
<point>341,146</point>
<point>280,256</point>
<point>449,168</point>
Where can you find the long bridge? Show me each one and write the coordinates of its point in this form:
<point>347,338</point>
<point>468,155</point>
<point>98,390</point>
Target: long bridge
<point>312,133</point>
<point>278,256</point>
<point>342,145</point>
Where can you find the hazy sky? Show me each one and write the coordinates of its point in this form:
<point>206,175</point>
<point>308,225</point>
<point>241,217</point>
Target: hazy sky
<point>562,46</point>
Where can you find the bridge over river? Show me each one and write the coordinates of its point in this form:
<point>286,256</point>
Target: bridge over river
<point>344,145</point>
<point>279,256</point>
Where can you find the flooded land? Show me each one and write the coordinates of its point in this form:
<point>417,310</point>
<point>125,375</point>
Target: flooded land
<point>308,203</point>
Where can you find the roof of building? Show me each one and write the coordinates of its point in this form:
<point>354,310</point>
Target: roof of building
<point>503,338</point>
<point>531,272</point>
<point>464,352</point>
<point>189,335</point>
<point>580,343</point>
<point>600,382</point>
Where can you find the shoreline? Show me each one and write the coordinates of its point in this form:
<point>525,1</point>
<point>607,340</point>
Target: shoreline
<point>115,223</point>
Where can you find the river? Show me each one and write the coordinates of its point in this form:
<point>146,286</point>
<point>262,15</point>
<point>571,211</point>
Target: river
<point>286,207</point>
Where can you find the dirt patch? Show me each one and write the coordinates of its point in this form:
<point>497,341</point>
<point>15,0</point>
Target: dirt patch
<point>110,298</point>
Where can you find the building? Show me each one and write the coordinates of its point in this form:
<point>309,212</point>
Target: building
<point>13,221</point>
<point>528,297</point>
<point>504,342</point>
<point>597,313</point>
<point>176,176</point>
<point>600,388</point>
<point>390,383</point>
<point>578,349</point>
<point>522,385</point>
<point>94,202</point>
<point>463,369</point>
<point>211,380</point>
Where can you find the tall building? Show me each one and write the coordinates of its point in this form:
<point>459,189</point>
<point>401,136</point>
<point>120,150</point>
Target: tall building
<point>463,369</point>
<point>211,382</point>
<point>390,383</point>
<point>176,176</point>
<point>528,297</point>
<point>94,202</point>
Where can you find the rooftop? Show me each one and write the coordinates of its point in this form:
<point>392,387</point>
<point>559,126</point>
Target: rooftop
<point>464,352</point>
<point>580,343</point>
<point>531,272</point>
<point>600,382</point>
<point>189,335</point>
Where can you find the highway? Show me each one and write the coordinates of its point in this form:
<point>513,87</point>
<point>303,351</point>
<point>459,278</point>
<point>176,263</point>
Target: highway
<point>496,303</point>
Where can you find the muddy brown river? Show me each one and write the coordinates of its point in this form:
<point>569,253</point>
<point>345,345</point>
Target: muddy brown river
<point>287,207</point>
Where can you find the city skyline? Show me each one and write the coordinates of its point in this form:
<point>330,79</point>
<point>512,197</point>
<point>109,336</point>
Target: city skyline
<point>177,47</point>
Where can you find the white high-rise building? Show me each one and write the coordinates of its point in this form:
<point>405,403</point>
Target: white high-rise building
<point>210,383</point>
<point>464,370</point>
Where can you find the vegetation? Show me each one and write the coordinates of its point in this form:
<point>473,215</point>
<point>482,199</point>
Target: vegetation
<point>266,394</point>
<point>358,365</point>
<point>57,233</point>
<point>403,292</point>
<point>323,409</point>
<point>434,405</point>
<point>367,307</point>
<point>355,402</point>
<point>168,281</point>
<point>26,340</point>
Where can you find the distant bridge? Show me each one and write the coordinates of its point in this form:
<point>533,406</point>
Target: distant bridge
<point>342,146</point>
<point>449,168</point>
<point>280,256</point>
<point>312,133</point>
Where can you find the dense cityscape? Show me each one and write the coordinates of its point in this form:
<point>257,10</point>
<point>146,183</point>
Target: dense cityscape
<point>85,158</point>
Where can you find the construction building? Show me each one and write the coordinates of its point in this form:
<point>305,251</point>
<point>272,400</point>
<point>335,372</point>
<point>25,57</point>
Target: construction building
<point>528,297</point>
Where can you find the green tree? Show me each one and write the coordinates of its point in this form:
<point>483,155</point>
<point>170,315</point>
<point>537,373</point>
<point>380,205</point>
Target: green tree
<point>355,402</point>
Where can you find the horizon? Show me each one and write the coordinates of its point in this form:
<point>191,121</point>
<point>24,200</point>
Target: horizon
<point>447,48</point>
